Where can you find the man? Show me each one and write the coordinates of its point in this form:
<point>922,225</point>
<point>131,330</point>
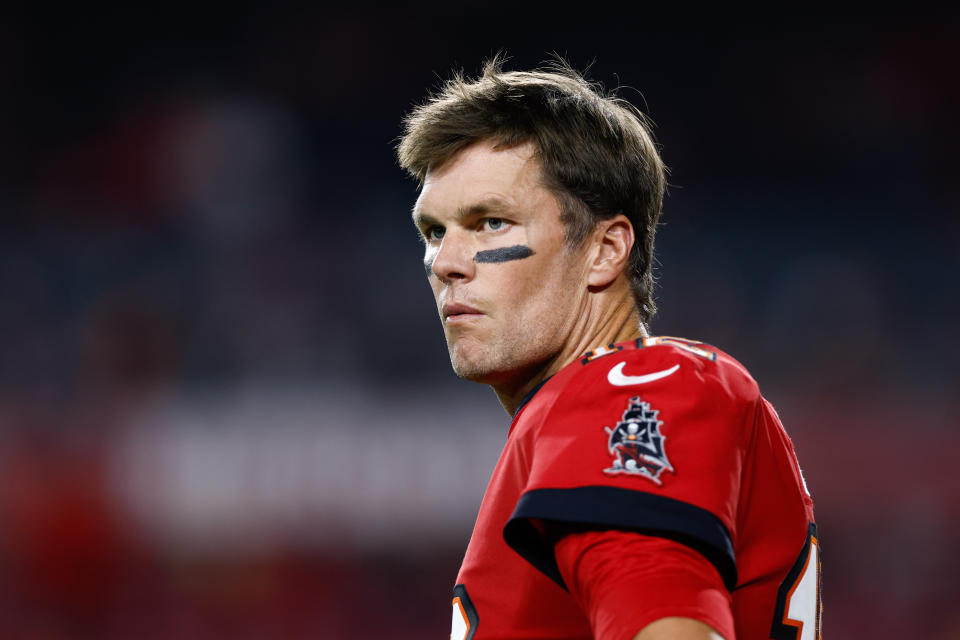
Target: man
<point>646,490</point>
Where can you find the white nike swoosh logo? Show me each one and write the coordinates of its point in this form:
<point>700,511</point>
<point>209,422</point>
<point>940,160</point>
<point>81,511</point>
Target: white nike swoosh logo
<point>616,377</point>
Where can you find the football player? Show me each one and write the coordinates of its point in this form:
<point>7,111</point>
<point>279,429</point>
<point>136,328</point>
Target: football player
<point>646,489</point>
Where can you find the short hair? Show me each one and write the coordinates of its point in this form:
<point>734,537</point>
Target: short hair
<point>597,153</point>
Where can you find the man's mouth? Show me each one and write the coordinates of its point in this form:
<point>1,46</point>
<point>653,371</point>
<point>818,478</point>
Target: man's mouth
<point>458,312</point>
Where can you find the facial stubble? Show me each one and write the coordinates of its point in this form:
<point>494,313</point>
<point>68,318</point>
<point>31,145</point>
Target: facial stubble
<point>533,337</point>
<point>481,372</point>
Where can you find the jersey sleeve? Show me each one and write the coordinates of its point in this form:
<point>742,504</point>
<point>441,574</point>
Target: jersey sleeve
<point>609,574</point>
<point>651,441</point>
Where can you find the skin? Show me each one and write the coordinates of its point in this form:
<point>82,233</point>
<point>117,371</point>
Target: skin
<point>535,309</point>
<point>677,629</point>
<point>536,313</point>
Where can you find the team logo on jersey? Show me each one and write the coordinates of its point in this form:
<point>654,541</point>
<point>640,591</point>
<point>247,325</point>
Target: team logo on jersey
<point>637,444</point>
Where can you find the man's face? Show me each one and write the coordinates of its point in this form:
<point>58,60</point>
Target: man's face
<point>508,288</point>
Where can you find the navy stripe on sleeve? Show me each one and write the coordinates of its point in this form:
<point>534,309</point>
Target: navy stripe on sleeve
<point>601,507</point>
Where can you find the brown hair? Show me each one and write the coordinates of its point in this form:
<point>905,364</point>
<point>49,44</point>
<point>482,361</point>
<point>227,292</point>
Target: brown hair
<point>597,153</point>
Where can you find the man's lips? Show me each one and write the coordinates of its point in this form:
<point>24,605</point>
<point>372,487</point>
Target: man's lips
<point>457,311</point>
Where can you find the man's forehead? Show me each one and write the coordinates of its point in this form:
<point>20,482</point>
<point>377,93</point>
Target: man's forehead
<point>481,178</point>
<point>484,161</point>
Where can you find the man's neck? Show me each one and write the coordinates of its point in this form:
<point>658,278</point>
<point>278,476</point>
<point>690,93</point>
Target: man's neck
<point>619,324</point>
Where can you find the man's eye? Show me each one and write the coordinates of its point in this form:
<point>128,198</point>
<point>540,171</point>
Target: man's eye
<point>494,224</point>
<point>434,233</point>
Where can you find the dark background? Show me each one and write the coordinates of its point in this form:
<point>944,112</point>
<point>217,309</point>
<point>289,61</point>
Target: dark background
<point>225,402</point>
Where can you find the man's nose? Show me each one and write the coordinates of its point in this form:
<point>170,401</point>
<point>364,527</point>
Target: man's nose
<point>454,259</point>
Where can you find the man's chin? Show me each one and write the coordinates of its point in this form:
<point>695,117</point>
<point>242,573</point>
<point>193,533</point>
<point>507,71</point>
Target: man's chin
<point>477,370</point>
<point>484,371</point>
<point>474,372</point>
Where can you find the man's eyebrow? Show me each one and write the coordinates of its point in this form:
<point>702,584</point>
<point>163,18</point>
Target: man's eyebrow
<point>423,220</point>
<point>491,204</point>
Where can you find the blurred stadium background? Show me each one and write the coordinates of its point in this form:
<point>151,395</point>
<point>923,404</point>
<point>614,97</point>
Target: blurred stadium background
<point>226,408</point>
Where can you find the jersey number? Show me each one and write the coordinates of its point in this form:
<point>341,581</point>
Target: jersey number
<point>465,618</point>
<point>799,608</point>
<point>692,346</point>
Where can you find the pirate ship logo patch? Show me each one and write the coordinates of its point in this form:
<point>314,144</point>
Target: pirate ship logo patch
<point>637,444</point>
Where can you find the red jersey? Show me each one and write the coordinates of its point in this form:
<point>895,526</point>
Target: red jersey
<point>662,436</point>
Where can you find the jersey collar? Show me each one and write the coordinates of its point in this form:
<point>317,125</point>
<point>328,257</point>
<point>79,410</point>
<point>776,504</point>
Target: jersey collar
<point>527,398</point>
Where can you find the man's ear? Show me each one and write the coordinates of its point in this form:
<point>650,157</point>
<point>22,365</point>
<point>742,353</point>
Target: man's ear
<point>613,240</point>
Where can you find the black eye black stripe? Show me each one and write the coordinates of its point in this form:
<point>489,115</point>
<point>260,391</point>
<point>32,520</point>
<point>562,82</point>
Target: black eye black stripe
<point>504,254</point>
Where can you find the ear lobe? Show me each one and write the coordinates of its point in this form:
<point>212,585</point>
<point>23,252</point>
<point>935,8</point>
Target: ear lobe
<point>613,240</point>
